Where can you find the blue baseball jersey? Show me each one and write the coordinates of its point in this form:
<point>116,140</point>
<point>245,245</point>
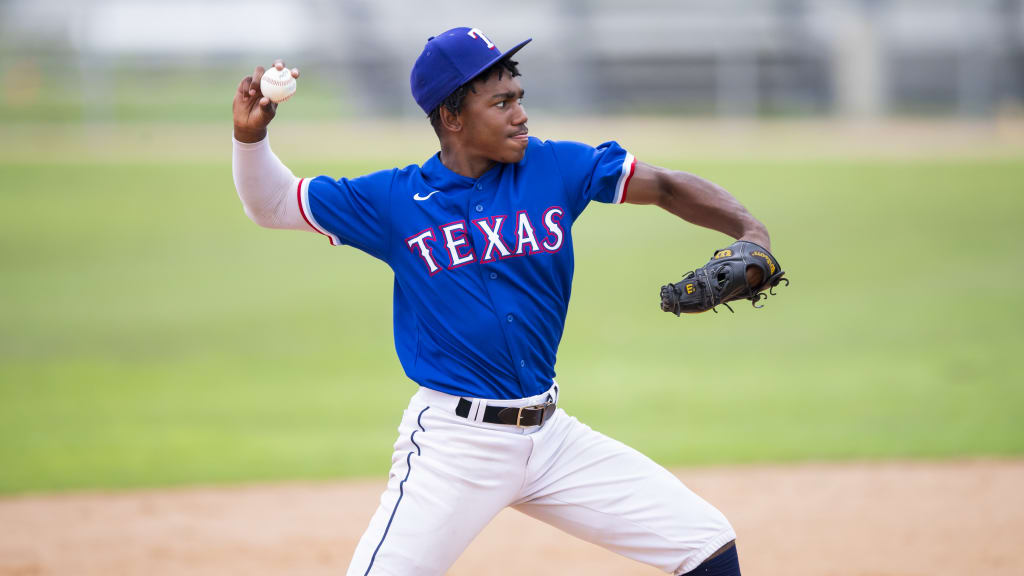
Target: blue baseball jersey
<point>483,267</point>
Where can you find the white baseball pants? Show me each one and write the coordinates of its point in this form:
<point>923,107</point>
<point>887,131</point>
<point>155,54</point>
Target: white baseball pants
<point>451,475</point>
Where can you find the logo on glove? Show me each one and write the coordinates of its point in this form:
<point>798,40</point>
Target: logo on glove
<point>771,265</point>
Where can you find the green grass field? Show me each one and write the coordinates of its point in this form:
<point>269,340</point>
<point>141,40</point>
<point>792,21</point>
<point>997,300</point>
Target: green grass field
<point>151,335</point>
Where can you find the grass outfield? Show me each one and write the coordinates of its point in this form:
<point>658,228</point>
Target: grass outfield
<point>151,335</point>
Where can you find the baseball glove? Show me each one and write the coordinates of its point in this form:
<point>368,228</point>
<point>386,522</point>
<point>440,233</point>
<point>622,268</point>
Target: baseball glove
<point>723,280</point>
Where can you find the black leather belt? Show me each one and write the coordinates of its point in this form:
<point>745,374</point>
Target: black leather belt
<point>534,415</point>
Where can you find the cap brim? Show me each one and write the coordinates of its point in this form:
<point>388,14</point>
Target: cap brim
<point>503,56</point>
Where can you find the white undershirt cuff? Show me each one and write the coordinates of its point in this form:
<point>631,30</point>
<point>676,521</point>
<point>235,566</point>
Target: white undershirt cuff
<point>266,186</point>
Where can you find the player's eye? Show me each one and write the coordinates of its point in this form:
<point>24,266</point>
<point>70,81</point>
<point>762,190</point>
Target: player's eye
<point>504,103</point>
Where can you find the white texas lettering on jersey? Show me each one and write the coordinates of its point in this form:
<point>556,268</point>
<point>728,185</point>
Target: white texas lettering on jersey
<point>460,251</point>
<point>425,252</point>
<point>493,234</point>
<point>453,244</point>
<point>554,228</point>
<point>476,33</point>
<point>524,232</point>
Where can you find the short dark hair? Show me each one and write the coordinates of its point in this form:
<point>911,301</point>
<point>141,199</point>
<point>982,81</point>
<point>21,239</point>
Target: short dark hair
<point>454,100</point>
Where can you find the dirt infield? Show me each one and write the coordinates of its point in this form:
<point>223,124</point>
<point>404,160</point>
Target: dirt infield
<point>821,519</point>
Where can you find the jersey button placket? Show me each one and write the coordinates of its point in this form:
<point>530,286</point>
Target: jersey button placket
<point>479,207</point>
<point>510,318</point>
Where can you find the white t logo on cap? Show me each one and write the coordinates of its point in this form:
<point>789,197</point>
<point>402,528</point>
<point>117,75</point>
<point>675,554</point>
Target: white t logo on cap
<point>477,33</point>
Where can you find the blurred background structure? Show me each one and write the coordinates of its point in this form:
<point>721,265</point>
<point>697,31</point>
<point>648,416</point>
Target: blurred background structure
<point>120,60</point>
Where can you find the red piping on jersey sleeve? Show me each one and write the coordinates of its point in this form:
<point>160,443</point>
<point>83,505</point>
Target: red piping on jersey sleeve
<point>298,196</point>
<point>625,186</point>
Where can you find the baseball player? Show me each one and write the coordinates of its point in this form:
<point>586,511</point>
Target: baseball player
<point>479,237</point>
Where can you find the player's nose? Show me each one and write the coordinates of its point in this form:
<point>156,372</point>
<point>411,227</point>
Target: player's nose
<point>520,115</point>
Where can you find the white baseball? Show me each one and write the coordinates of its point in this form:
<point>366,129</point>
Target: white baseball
<point>278,85</point>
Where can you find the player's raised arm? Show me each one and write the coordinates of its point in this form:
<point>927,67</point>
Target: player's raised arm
<point>252,110</point>
<point>264,184</point>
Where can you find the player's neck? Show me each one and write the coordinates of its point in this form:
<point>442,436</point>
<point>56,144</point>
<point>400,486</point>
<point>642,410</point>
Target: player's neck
<point>463,164</point>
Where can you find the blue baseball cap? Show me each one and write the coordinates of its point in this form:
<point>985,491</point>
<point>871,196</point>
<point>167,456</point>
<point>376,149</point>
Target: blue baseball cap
<point>451,59</point>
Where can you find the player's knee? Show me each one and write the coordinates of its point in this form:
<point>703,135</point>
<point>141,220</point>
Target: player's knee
<point>724,562</point>
<point>723,523</point>
<point>716,525</point>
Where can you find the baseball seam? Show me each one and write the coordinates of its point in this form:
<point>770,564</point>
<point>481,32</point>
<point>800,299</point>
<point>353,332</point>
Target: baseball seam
<point>277,82</point>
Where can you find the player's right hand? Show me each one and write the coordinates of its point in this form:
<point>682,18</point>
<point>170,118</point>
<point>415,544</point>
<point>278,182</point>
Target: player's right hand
<point>251,110</point>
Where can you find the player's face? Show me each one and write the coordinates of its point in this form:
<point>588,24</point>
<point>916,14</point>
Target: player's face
<point>494,121</point>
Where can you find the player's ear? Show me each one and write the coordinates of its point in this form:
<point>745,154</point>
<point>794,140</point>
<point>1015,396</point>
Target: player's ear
<point>450,121</point>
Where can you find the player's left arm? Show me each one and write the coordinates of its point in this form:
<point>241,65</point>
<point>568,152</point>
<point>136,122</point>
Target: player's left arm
<point>699,202</point>
<point>695,200</point>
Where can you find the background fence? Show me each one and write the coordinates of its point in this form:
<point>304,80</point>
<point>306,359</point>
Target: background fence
<point>119,60</point>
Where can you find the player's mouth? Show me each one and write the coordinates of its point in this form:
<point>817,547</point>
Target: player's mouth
<point>521,135</point>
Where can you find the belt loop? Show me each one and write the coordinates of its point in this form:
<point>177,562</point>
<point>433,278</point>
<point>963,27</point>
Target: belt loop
<point>476,410</point>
